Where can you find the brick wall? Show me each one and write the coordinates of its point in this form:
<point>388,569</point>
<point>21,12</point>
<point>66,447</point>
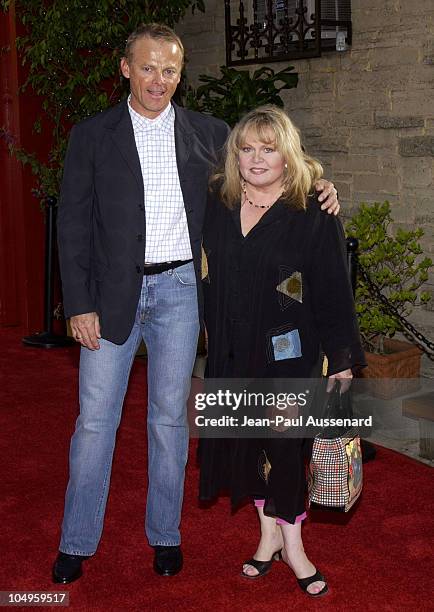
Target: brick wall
<point>367,113</point>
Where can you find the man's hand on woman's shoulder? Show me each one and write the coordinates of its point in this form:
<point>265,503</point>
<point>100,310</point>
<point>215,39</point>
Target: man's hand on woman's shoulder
<point>328,196</point>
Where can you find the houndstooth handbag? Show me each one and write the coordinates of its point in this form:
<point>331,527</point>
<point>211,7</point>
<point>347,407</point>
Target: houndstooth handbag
<point>335,477</point>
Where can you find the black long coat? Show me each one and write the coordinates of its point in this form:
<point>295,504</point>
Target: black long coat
<point>273,300</point>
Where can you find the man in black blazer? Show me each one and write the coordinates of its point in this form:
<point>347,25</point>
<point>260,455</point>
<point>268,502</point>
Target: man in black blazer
<point>129,230</point>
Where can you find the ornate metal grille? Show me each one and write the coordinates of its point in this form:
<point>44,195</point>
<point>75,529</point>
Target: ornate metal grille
<point>259,31</point>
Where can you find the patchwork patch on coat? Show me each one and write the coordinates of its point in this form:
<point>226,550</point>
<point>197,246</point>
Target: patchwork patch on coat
<point>205,273</point>
<point>285,345</point>
<point>290,287</point>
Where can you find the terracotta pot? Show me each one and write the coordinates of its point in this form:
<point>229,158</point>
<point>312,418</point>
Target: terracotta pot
<point>394,374</point>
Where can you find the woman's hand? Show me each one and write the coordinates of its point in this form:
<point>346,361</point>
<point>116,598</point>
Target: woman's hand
<point>344,378</point>
<point>328,196</point>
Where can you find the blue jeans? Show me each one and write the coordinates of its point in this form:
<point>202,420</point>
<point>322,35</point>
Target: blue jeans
<point>167,320</point>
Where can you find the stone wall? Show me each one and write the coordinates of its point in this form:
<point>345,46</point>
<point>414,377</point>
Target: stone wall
<point>367,113</point>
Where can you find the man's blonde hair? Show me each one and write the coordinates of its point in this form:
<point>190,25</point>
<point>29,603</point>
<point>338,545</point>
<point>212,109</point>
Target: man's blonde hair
<point>271,125</point>
<point>156,31</point>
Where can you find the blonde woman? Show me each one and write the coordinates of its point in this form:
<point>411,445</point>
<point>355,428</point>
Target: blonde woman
<point>277,290</point>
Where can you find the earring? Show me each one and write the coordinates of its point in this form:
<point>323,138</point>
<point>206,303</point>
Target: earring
<point>286,165</point>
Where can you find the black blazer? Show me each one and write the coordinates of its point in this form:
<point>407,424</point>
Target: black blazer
<point>101,220</point>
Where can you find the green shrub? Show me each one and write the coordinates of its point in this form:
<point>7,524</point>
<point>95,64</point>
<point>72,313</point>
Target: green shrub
<point>236,92</point>
<point>394,262</point>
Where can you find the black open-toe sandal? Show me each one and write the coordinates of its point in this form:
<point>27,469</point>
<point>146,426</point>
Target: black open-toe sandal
<point>262,567</point>
<point>305,582</point>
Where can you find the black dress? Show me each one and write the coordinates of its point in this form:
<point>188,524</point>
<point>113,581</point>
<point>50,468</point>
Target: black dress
<point>273,299</point>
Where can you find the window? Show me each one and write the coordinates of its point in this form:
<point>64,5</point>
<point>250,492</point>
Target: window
<point>259,31</point>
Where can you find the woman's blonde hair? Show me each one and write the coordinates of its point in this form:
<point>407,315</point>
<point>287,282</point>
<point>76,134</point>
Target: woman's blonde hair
<point>272,126</point>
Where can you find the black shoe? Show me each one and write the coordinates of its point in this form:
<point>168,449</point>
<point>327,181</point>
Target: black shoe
<point>67,568</point>
<point>262,567</point>
<point>305,582</point>
<point>167,560</point>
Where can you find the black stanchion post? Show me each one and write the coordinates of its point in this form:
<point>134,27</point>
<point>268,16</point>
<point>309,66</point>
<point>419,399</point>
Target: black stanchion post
<point>48,339</point>
<point>352,247</point>
<point>368,449</point>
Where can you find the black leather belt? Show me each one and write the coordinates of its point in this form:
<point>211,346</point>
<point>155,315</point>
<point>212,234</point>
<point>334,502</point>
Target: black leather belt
<point>158,268</point>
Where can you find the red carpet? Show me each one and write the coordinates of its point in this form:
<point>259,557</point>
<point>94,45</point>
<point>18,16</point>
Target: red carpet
<point>377,559</point>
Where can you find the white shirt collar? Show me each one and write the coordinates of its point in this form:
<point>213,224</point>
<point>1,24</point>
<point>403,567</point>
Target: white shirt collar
<point>163,122</point>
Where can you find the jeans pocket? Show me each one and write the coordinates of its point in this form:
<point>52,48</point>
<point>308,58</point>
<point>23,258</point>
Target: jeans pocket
<point>185,275</point>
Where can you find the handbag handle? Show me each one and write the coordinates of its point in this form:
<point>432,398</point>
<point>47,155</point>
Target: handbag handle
<point>337,404</point>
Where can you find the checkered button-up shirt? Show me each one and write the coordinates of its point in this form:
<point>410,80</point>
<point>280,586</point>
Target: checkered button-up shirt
<point>167,236</point>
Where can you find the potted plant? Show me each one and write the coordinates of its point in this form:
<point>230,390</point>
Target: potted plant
<point>236,92</point>
<point>394,264</point>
